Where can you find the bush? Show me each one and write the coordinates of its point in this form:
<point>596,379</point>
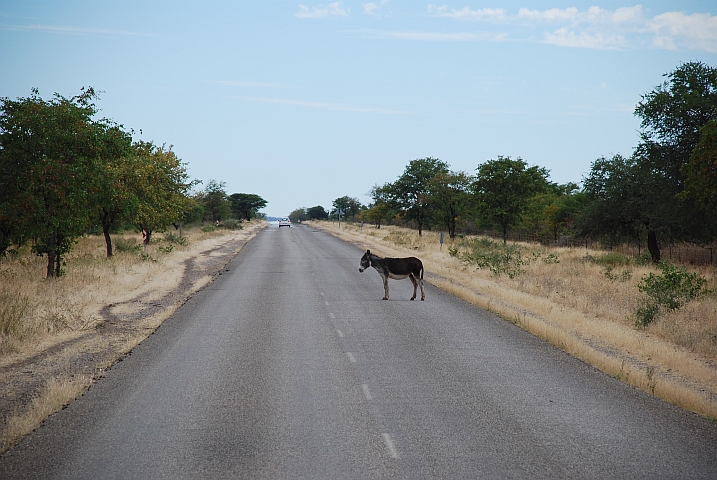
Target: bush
<point>173,238</point>
<point>486,253</point>
<point>671,290</point>
<point>231,224</point>
<point>125,246</point>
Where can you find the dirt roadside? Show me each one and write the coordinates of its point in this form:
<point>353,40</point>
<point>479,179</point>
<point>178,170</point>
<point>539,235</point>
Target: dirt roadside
<point>81,357</point>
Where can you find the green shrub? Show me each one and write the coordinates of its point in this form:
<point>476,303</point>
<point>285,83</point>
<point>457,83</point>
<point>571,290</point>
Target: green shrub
<point>670,291</point>
<point>125,246</point>
<point>231,224</point>
<point>173,238</point>
<point>486,253</point>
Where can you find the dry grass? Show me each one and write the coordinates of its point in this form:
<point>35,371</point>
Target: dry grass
<point>585,305</point>
<point>57,393</point>
<point>46,326</point>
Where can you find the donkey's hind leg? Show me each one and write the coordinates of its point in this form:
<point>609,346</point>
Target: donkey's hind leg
<point>415,285</point>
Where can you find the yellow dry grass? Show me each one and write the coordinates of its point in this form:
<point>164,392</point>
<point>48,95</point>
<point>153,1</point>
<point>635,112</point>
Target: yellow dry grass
<point>52,321</point>
<point>582,307</point>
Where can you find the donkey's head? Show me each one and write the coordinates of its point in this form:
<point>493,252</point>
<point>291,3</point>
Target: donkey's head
<point>365,261</point>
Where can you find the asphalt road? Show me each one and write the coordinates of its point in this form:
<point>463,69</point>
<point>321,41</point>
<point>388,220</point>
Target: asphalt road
<point>290,365</point>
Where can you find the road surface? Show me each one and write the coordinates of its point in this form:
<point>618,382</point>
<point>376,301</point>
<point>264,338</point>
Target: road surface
<point>290,365</point>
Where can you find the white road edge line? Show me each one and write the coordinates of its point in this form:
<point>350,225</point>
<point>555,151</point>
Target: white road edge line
<point>351,357</point>
<point>366,392</point>
<point>389,444</point>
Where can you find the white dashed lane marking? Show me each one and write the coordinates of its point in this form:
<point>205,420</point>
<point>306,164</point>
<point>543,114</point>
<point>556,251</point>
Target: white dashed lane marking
<point>389,444</point>
<point>351,357</point>
<point>366,392</point>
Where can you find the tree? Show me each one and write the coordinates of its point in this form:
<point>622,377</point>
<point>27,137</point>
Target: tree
<point>116,201</point>
<point>503,188</point>
<point>349,206</point>
<point>162,185</point>
<point>317,213</point>
<point>450,198</point>
<point>410,192</point>
<point>673,115</point>
<point>380,209</point>
<point>215,201</point>
<point>552,212</point>
<point>298,215</point>
<point>49,166</point>
<point>246,205</point>
<point>618,208</point>
<point>701,171</point>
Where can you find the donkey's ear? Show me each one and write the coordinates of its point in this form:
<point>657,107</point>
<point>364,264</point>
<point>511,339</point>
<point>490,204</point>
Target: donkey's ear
<point>368,251</point>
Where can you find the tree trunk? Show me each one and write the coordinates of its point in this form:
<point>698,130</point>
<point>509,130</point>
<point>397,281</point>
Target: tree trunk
<point>50,264</point>
<point>58,265</point>
<point>505,234</point>
<point>108,239</point>
<point>51,252</point>
<point>652,246</point>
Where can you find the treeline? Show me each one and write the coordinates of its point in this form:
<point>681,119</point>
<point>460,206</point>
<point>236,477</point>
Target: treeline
<point>662,194</point>
<point>64,174</point>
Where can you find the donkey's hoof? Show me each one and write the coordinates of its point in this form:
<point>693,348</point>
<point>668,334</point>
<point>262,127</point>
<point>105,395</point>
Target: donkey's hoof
<point>384,298</point>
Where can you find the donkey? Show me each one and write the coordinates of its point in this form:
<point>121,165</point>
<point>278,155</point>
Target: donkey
<point>398,268</point>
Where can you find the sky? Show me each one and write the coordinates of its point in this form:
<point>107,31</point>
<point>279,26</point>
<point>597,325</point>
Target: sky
<point>306,102</point>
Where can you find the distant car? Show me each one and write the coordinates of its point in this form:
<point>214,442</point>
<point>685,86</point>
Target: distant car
<point>284,222</point>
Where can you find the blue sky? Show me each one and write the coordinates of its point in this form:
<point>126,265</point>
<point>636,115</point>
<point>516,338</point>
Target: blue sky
<point>304,102</point>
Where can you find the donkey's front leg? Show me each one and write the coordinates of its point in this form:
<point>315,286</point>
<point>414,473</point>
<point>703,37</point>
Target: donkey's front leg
<point>385,288</point>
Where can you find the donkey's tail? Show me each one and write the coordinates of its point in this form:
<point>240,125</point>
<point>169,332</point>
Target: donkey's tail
<point>421,271</point>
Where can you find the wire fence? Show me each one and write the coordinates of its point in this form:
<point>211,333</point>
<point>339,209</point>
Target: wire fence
<point>686,253</point>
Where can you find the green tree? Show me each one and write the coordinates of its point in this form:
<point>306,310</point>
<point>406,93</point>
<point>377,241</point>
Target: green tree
<point>246,205</point>
<point>551,213</point>
<point>216,202</point>
<point>701,171</point>
<point>298,215</point>
<point>49,166</point>
<point>450,198</point>
<point>349,206</point>
<point>162,185</point>
<point>116,202</point>
<point>317,213</point>
<point>380,208</point>
<point>503,189</point>
<point>410,192</point>
<point>672,118</point>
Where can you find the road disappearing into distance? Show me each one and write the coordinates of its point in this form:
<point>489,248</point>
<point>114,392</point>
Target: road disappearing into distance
<point>289,365</point>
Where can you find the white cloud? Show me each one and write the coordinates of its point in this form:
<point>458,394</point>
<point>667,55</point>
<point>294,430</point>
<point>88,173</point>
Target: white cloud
<point>596,27</point>
<point>373,8</point>
<point>564,37</point>
<point>591,16</point>
<point>696,31</point>
<point>322,11</point>
<point>466,13</point>
<point>436,36</point>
